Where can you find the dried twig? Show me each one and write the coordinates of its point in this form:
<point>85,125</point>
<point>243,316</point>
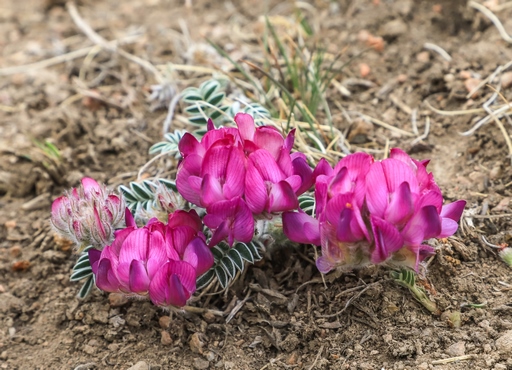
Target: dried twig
<point>317,357</point>
<point>350,301</point>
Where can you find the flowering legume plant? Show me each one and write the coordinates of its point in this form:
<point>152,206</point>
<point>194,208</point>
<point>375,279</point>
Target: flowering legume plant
<point>239,190</point>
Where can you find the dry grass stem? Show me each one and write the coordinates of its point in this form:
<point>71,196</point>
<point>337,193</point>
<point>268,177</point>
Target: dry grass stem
<point>453,359</point>
<point>439,50</point>
<point>425,133</point>
<point>112,47</point>
<point>63,58</point>
<point>492,17</point>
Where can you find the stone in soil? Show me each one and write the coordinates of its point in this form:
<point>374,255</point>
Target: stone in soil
<point>141,365</point>
<point>201,364</point>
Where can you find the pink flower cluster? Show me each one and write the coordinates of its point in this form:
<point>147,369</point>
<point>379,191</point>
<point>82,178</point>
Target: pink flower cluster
<point>237,174</point>
<point>89,214</point>
<point>159,261</point>
<point>371,211</point>
<point>367,212</point>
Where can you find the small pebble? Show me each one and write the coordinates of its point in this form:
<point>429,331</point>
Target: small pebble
<point>472,83</point>
<point>506,80</point>
<point>164,322</point>
<point>117,300</point>
<point>423,57</point>
<point>504,343</point>
<point>364,70</point>
<point>201,364</point>
<point>166,339</point>
<point>457,349</point>
<point>89,349</point>
<point>141,365</point>
<point>15,251</point>
<point>196,344</point>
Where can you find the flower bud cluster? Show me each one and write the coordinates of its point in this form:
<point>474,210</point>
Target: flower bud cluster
<point>89,214</point>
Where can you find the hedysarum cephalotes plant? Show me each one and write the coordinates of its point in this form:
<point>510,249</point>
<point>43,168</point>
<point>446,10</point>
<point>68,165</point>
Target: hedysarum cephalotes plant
<point>89,214</point>
<point>371,211</point>
<point>159,261</point>
<point>237,174</point>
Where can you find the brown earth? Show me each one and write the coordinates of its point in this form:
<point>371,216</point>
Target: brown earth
<point>95,110</point>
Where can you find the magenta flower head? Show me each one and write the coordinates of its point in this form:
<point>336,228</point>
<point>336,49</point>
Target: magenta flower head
<point>374,212</point>
<point>274,176</point>
<point>212,170</point>
<point>89,214</point>
<point>159,261</point>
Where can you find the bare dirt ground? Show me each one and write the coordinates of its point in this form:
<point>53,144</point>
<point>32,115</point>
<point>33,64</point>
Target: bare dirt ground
<point>94,109</point>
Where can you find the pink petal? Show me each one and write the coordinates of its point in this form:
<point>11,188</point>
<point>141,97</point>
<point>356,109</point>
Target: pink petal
<point>179,237</point>
<point>139,280</point>
<point>158,287</point>
<point>157,253</point>
<point>120,237</point>
<point>189,145</point>
<point>269,139</point>
<point>324,265</point>
<point>284,161</point>
<point>358,165</point>
<point>184,218</point>
<point>232,219</point>
<point>301,168</point>
<point>234,185</point>
<point>210,125</point>
<point>135,246</point>
<point>177,294</point>
<point>347,230</point>
<point>94,258</point>
<point>99,225</point>
<point>336,205</point>
<point>216,160</point>
<point>105,278</point>
<point>300,227</point>
<point>129,220</point>
<point>221,233</point>
<point>341,182</point>
<point>199,256</point>
<point>186,274</point>
<point>423,225</point>
<point>266,166</point>
<point>189,169</point>
<point>401,207</point>
<point>448,227</point>
<point>211,190</point>
<point>288,142</point>
<point>321,194</point>
<point>322,168</point>
<point>282,198</point>
<point>255,189</point>
<point>431,198</point>
<point>387,239</point>
<point>173,284</point>
<point>245,124</point>
<point>90,186</point>
<point>243,224</point>
<point>453,210</point>
<point>396,173</point>
<point>295,182</point>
